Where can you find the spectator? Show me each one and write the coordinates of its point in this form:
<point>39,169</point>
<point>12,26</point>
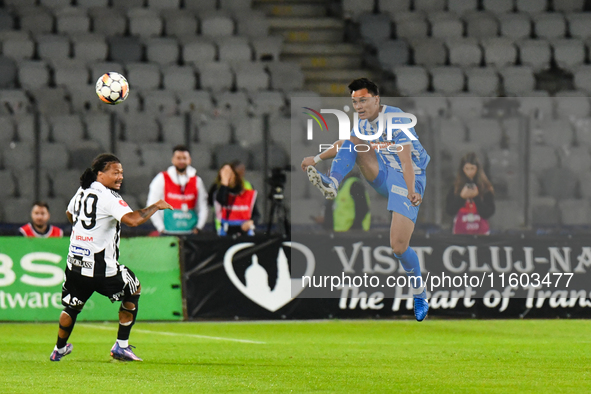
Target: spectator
<point>471,198</point>
<point>38,226</point>
<point>179,186</point>
<point>235,207</point>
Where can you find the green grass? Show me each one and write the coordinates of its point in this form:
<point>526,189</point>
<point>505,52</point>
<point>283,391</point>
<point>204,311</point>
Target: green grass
<point>329,356</point>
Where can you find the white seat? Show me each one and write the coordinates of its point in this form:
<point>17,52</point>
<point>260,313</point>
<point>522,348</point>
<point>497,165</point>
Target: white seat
<point>92,3</point>
<point>447,28</point>
<point>140,129</point>
<point>482,81</point>
<point>535,53</point>
<point>518,80</point>
<point>572,104</point>
<point>70,73</point>
<point>98,128</point>
<point>215,131</point>
<point>162,102</point>
<point>163,51</point>
<point>15,101</point>
<point>173,129</point>
<point>550,25</point>
<point>411,80</point>
<point>353,8</point>
<point>178,78</point>
<point>54,156</point>
<point>178,23</point>
<point>499,52</point>
<point>7,130</point>
<point>392,7</point>
<point>414,27</point>
<point>33,74</point>
<point>286,76</point>
<point>8,189</point>
<point>163,4</point>
<point>251,77</point>
<point>66,129</point>
<point>52,46</point>
<point>18,47</point>
<point>201,6</point>
<point>144,22</point>
<point>447,80</point>
<point>98,69</point>
<point>267,102</point>
<point>576,159</point>
<point>569,53</point>
<point>429,5</point>
<point>217,25</point>
<point>498,6</point>
<point>215,76</point>
<point>55,3</point>
<point>234,49</point>
<point>531,6</point>
<point>72,20</point>
<point>89,47</point>
<point>108,21</point>
<point>267,48</point>
<point>515,26</point>
<point>579,25</point>
<point>464,52</point>
<point>39,21</point>
<point>462,6</point>
<point>249,130</point>
<point>569,5</point>
<point>195,100</point>
<point>536,106</point>
<point>429,52</point>
<point>146,76</point>
<point>582,78</point>
<point>198,51</point>
<point>481,25</point>
<point>252,24</point>
<point>233,105</point>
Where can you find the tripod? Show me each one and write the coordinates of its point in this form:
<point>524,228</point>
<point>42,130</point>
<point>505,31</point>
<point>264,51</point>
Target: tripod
<point>278,210</point>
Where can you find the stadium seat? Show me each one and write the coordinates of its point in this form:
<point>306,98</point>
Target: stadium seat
<point>536,106</point>
<point>198,50</point>
<point>84,99</point>
<point>156,155</point>
<point>482,81</point>
<point>550,25</point>
<point>17,210</point>
<point>215,76</point>
<point>582,78</point>
<point>249,130</point>
<point>353,8</point>
<point>515,26</point>
<point>453,132</point>
<point>98,128</point>
<point>72,20</point>
<point>144,23</point>
<point>7,131</point>
<point>535,53</point>
<point>67,129</point>
<point>8,72</point>
<point>577,159</point>
<point>498,6</point>
<point>569,5</point>
<point>196,100</point>
<point>542,158</point>
<point>137,180</point>
<point>173,129</point>
<point>178,23</point>
<point>267,48</point>
<point>311,207</point>
<point>518,80</point>
<point>393,53</point>
<point>502,162</point>
<point>108,21</point>
<point>92,3</point>
<point>201,6</point>
<point>18,47</point>
<point>431,104</point>
<point>54,156</point>
<point>486,132</point>
<point>129,154</point>
<point>554,133</point>
<point>374,28</point>
<point>141,129</point>
<point>52,46</point>
<point>14,101</point>
<point>560,183</point>
<point>125,49</point>
<point>447,80</point>
<point>145,76</point>
<point>429,5</point>
<point>89,47</point>
<point>481,25</point>
<point>70,72</point>
<point>234,49</point>
<point>569,53</point>
<point>392,7</point>
<point>508,215</point>
<point>162,102</point>
<point>572,104</point>
<point>236,6</point>
<point>55,3</point>
<point>531,6</point>
<point>51,101</point>
<point>464,52</point>
<point>575,212</point>
<point>462,6</point>
<point>429,52</point>
<point>447,28</point>
<point>26,129</point>
<point>252,24</point>
<point>214,132</point>
<point>163,4</point>
<point>217,25</point>
<point>7,21</point>
<point>201,160</point>
<point>285,76</point>
<point>163,51</point>
<point>233,105</point>
<point>499,52</point>
<point>18,156</point>
<point>251,76</point>
<point>579,25</point>
<point>227,153</point>
<point>82,152</point>
<point>267,102</point>
<point>411,80</point>
<point>8,183</point>
<point>37,21</point>
<point>178,78</point>
<point>278,157</point>
<point>411,25</point>
<point>585,184</point>
<point>466,106</point>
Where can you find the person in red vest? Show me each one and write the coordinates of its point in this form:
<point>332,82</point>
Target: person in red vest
<point>179,186</point>
<point>38,226</point>
<point>234,204</point>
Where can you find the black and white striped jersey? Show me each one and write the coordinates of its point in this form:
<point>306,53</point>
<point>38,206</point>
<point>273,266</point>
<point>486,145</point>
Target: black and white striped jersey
<point>94,243</point>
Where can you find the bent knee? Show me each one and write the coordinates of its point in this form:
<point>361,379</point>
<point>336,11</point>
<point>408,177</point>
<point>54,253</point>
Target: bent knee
<point>398,246</point>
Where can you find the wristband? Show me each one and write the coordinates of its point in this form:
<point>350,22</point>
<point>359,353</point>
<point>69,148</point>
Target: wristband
<point>317,159</point>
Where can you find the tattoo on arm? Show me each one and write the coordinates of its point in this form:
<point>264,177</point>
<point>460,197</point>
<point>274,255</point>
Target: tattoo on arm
<point>148,211</point>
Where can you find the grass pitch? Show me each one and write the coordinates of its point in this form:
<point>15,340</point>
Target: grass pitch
<point>329,356</point>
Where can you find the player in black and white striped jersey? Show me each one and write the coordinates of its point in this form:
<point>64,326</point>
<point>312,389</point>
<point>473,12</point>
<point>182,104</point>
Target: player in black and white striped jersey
<point>96,212</point>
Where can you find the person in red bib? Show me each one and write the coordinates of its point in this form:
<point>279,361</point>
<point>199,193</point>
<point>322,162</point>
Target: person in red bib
<point>39,227</point>
<point>234,204</point>
<point>179,186</point>
<point>471,198</point>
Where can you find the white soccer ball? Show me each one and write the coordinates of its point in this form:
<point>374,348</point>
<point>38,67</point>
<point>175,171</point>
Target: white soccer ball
<point>112,88</point>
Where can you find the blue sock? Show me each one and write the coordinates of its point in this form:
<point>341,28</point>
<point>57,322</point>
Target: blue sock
<point>344,161</point>
<point>410,263</point>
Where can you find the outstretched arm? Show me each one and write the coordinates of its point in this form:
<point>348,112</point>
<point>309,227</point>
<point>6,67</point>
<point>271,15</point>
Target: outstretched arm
<point>327,154</point>
<point>141,216</point>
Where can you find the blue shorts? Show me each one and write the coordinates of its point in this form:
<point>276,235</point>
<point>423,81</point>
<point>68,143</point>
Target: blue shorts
<point>390,183</point>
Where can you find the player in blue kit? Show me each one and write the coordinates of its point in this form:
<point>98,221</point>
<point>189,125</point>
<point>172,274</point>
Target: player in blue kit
<point>395,169</point>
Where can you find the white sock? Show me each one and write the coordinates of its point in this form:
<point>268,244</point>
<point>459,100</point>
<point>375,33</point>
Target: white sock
<point>123,343</point>
<point>60,351</point>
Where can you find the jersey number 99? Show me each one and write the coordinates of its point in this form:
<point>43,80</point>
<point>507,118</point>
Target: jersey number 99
<point>86,211</point>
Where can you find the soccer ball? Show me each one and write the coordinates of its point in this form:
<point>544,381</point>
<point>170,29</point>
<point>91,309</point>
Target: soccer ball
<point>112,88</point>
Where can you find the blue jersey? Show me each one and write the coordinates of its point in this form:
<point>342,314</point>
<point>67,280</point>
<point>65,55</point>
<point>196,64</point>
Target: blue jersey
<point>384,149</point>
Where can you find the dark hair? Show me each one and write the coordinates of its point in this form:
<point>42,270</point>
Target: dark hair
<point>480,179</point>
<point>180,148</point>
<point>100,163</point>
<point>239,182</point>
<point>41,204</point>
<point>364,83</point>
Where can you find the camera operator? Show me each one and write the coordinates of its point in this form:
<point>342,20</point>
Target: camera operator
<point>235,208</point>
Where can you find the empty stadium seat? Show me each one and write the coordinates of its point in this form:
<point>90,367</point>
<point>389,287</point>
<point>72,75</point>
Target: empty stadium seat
<point>536,106</point>
<point>535,53</point>
<point>129,154</point>
<point>448,27</point>
<point>575,212</point>
<point>267,102</point>
<point>579,25</point>
<point>234,49</point>
<point>140,129</point>
<point>68,73</point>
<point>198,51</point>
<point>52,46</point>
<point>51,101</point>
<point>145,76</point>
<point>156,155</point>
<point>67,129</point>
<point>518,80</point>
<point>411,80</point>
<point>201,159</point>
<point>374,28</point>
<point>508,215</point>
<point>542,158</point>
<point>416,26</point>
<point>251,76</point>
<point>233,105</point>
<point>137,180</point>
<point>72,20</point>
<point>108,21</point>
<point>498,6</point>
<point>353,8</point>
<point>554,132</point>
<point>54,156</point>
<point>89,47</point>
<point>144,23</point>
<point>229,152</point>
<point>515,26</point>
<point>569,53</point>
<point>17,210</point>
<point>393,53</point>
<point>531,6</point>
<point>486,132</point>
<point>582,78</point>
<point>447,80</point>
<point>560,183</point>
<point>249,130</point>
<point>178,23</point>
<point>499,52</point>
<point>278,157</point>
<point>8,183</point>
<point>215,132</point>
<point>550,25</point>
<point>267,48</point>
<point>98,128</point>
<point>173,129</point>
<point>82,152</point>
<point>162,102</point>
<point>215,76</point>
<point>163,4</point>
<point>482,81</point>
<point>18,47</point>
<point>429,5</point>
<point>18,156</point>
<point>464,52</point>
<point>466,106</point>
<point>572,103</point>
<point>217,25</point>
<point>163,51</point>
<point>201,6</point>
<point>285,76</point>
<point>577,159</point>
<point>429,52</point>
<point>252,24</point>
<point>37,21</point>
<point>453,132</point>
<point>8,72</point>
<point>391,7</point>
<point>125,49</point>
<point>481,25</point>
<point>462,6</point>
<point>196,100</point>
<point>178,78</point>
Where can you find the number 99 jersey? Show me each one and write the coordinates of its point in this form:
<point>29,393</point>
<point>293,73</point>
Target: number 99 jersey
<point>94,243</point>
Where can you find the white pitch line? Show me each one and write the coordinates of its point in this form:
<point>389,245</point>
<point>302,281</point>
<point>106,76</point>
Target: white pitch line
<point>177,334</point>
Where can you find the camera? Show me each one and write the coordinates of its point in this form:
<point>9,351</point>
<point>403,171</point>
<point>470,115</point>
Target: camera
<point>277,181</point>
